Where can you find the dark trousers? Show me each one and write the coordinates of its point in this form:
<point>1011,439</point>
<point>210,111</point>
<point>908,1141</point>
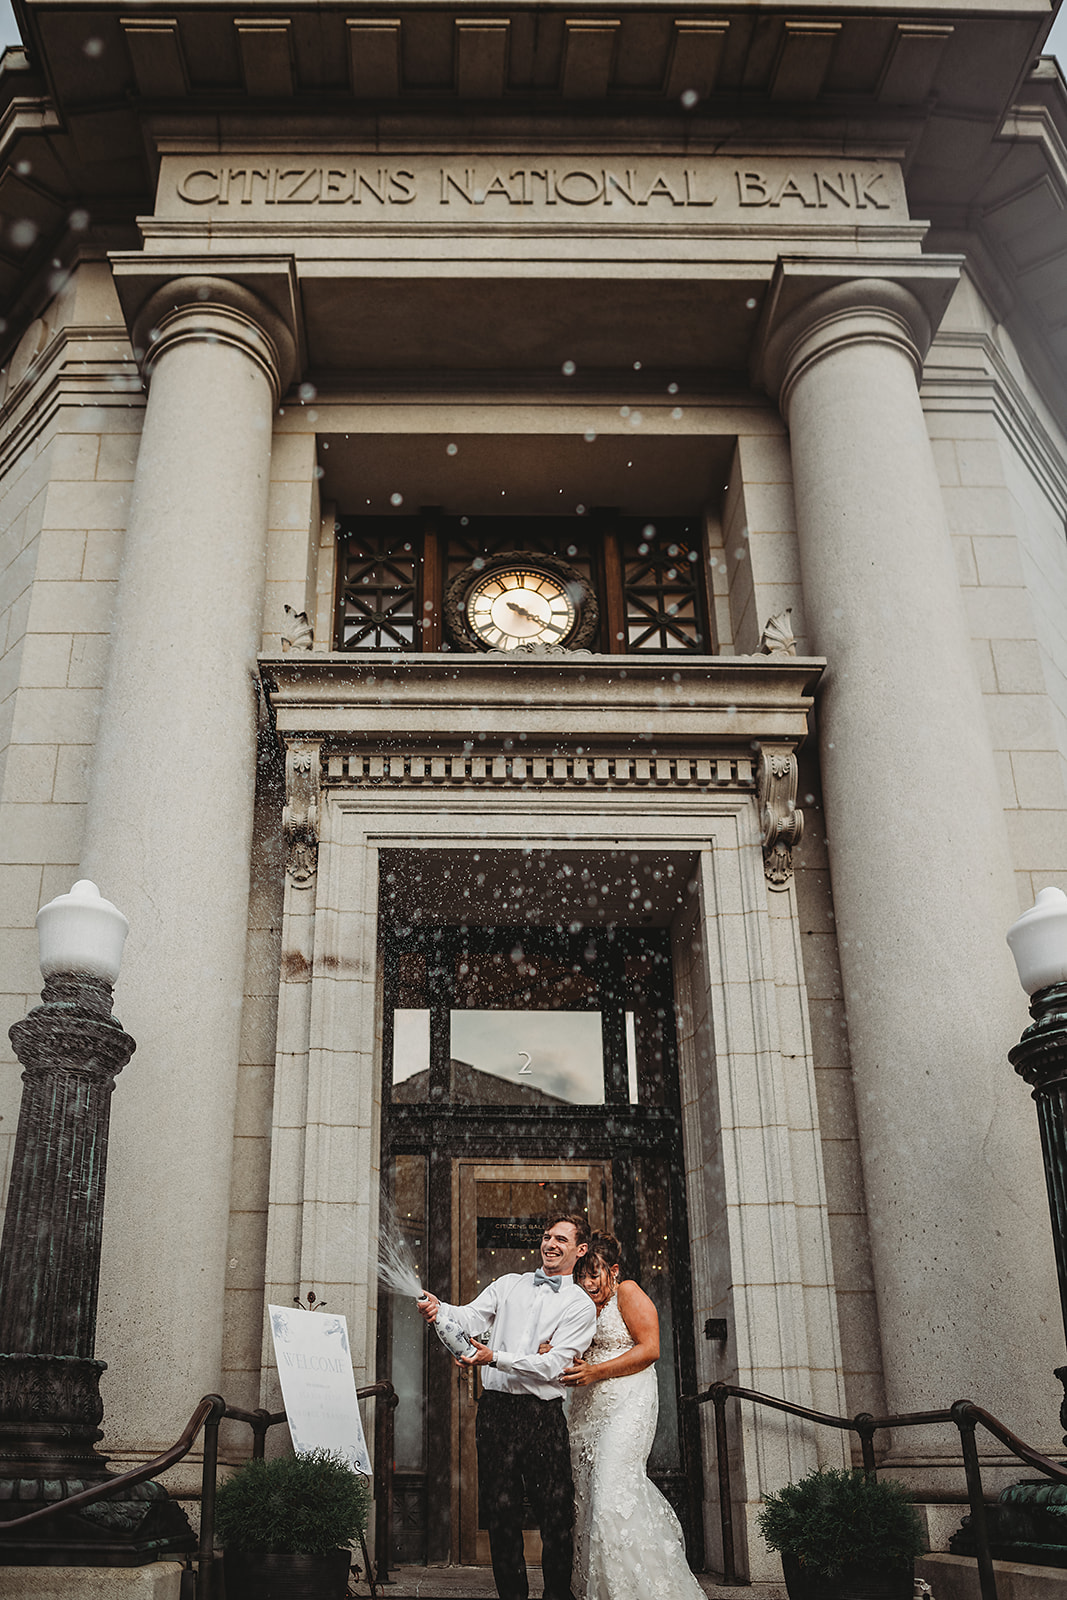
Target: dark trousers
<point>524,1451</point>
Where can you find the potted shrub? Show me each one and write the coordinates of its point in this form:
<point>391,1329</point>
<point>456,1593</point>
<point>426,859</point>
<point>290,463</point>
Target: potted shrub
<point>285,1526</point>
<point>843,1535</point>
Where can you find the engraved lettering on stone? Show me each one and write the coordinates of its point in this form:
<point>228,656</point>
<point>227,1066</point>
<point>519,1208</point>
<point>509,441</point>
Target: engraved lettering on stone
<point>864,195</point>
<point>653,192</point>
<point>192,186</point>
<point>660,188</point>
<point>297,186</point>
<point>571,187</point>
<point>336,186</point>
<point>691,185</point>
<point>449,181</point>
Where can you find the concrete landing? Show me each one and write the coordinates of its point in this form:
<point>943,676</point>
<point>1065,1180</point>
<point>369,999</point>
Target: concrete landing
<point>956,1578</point>
<point>159,1580</point>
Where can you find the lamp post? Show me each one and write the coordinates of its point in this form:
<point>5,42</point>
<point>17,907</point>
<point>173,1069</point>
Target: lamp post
<point>1027,1523</point>
<point>71,1049</point>
<point>1038,941</point>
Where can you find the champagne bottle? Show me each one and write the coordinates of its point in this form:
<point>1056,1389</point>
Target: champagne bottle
<point>455,1340</point>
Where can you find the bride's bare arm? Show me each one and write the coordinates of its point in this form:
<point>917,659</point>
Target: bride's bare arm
<point>639,1315</point>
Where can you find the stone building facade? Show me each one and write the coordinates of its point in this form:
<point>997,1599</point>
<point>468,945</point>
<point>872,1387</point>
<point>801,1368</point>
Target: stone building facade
<point>735,337</point>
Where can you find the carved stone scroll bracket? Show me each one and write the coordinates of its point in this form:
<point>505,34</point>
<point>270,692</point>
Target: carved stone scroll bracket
<point>300,817</point>
<point>781,823</point>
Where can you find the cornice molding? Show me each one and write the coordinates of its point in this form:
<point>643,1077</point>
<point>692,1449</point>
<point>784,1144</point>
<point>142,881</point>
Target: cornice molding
<point>59,376</point>
<point>995,389</point>
<point>611,704</point>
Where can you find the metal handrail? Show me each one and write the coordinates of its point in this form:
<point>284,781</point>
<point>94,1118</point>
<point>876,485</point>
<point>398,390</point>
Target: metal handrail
<point>965,1414</point>
<point>209,1405</point>
<point>210,1412</point>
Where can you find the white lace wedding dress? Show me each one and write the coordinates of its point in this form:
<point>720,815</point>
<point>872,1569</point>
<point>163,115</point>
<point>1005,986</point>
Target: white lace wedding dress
<point>627,1539</point>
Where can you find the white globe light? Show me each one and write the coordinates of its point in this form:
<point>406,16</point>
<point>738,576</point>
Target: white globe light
<point>1038,941</point>
<point>81,932</point>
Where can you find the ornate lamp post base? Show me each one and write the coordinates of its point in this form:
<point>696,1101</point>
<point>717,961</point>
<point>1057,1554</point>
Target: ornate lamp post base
<point>50,1410</point>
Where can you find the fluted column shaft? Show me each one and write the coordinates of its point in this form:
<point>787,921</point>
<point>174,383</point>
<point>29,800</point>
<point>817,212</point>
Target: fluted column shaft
<point>921,873</point>
<point>169,832</point>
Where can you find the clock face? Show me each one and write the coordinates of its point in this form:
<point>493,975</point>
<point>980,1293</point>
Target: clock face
<point>519,605</point>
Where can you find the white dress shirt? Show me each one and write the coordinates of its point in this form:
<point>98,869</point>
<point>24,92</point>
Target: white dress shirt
<point>520,1318</point>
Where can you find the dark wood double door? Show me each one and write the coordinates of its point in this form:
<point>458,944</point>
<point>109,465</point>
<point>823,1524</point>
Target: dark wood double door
<point>526,1070</point>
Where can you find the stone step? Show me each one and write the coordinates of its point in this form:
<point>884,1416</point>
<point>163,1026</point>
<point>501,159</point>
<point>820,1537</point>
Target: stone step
<point>476,1583</point>
<point>956,1578</point>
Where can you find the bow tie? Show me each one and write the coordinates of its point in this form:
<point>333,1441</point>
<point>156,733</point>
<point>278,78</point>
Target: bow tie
<point>541,1276</point>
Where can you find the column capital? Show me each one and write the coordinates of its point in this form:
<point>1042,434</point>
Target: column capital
<point>251,307</point>
<point>816,308</point>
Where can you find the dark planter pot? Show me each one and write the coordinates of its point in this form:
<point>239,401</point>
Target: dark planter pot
<point>851,1583</point>
<point>265,1575</point>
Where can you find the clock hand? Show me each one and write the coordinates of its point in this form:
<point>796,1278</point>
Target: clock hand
<point>522,611</point>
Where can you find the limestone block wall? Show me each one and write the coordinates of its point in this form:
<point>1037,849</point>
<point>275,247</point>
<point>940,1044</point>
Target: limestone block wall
<point>246,1247</point>
<point>293,513</point>
<point>759,535</point>
<point>763,572</point>
<point>294,518</point>
<point>1002,462</point>
<point>70,418</point>
<point>846,1204</point>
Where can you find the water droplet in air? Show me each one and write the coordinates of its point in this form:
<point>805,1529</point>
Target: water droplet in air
<point>689,99</point>
<point>451,449</point>
<point>396,499</point>
<point>569,369</point>
<point>93,48</point>
<point>308,392</point>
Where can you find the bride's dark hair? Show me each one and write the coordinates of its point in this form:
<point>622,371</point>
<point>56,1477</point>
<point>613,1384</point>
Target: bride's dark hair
<point>604,1251</point>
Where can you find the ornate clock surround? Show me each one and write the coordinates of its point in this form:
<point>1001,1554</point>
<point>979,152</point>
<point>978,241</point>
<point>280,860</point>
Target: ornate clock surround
<point>460,590</point>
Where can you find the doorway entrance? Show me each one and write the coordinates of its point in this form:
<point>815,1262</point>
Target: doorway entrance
<point>525,1069</point>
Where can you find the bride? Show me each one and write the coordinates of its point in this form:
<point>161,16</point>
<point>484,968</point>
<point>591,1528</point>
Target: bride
<point>627,1539</point>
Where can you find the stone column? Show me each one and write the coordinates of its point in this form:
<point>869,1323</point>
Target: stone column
<point>168,836</point>
<point>922,878</point>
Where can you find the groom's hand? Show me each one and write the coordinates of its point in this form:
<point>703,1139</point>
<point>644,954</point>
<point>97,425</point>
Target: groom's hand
<point>481,1357</point>
<point>428,1307</point>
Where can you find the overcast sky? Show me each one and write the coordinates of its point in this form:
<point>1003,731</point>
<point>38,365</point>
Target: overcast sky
<point>1057,41</point>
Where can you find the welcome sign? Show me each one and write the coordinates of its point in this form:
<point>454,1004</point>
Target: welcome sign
<point>318,1385</point>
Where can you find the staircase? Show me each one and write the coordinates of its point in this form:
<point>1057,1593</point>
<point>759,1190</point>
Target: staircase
<point>476,1583</point>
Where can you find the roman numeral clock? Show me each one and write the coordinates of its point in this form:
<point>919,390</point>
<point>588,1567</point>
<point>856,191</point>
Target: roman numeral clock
<point>522,601</point>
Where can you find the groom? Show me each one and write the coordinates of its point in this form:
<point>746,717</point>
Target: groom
<point>521,1431</point>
